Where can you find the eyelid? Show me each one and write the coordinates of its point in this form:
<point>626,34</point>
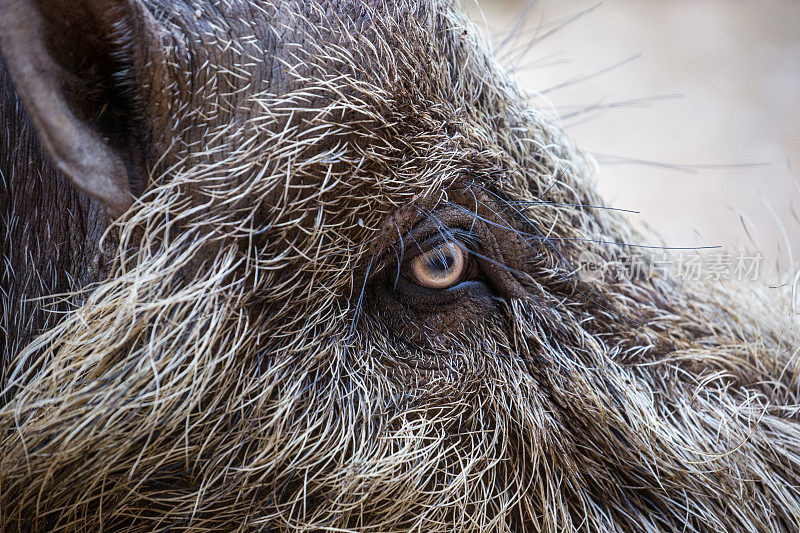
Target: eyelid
<point>414,247</point>
<point>415,242</point>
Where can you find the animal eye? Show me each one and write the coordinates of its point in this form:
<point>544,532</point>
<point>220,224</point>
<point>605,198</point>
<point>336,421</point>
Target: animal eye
<point>441,267</point>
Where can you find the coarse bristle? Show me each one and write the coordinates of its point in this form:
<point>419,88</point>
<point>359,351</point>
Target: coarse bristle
<point>238,369</point>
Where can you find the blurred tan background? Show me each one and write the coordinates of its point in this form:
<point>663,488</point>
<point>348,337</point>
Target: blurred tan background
<point>711,93</point>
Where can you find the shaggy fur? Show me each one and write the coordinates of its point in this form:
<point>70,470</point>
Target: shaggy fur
<point>248,363</point>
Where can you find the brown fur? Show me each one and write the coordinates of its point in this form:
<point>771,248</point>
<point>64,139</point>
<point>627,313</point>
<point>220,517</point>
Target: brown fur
<point>248,362</point>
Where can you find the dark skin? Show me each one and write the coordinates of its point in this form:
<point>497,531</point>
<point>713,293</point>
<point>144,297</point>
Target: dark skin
<point>91,59</point>
<point>51,230</point>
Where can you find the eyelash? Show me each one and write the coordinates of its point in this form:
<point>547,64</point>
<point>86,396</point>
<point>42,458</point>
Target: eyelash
<point>442,267</point>
<point>465,242</point>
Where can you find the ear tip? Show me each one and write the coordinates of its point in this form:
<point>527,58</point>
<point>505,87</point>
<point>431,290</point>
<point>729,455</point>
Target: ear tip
<point>116,201</point>
<point>93,168</point>
<point>118,206</point>
<point>103,180</point>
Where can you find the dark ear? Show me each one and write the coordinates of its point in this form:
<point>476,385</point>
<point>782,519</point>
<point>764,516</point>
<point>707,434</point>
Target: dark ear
<point>76,65</point>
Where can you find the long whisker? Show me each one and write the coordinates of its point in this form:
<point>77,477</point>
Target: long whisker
<point>586,77</point>
<point>515,53</point>
<point>633,102</point>
<point>609,159</point>
<point>579,239</point>
<point>557,204</point>
<point>524,275</point>
<point>522,18</point>
<point>566,261</point>
<point>358,309</point>
<point>400,257</point>
<point>447,234</point>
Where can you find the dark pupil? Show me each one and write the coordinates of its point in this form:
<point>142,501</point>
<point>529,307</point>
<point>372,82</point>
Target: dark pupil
<point>441,262</point>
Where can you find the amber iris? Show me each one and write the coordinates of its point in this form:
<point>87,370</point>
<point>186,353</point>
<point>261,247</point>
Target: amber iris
<point>441,267</point>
